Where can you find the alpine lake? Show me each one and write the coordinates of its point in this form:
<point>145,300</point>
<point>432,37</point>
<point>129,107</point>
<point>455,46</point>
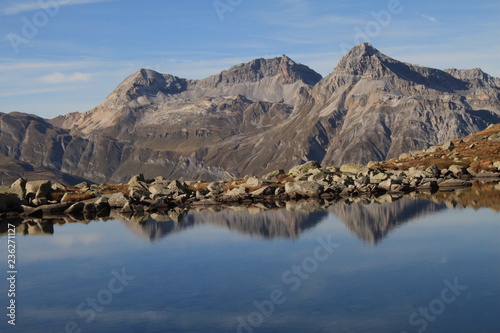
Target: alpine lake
<point>397,264</point>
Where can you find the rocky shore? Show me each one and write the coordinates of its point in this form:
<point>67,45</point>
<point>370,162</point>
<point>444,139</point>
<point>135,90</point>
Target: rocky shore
<point>309,180</point>
<point>446,167</point>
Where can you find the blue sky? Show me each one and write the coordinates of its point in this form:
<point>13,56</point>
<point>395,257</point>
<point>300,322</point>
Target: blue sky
<point>61,56</point>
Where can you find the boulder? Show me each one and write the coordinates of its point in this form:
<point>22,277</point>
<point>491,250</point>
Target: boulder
<point>494,137</point>
<point>58,187</point>
<point>76,208</point>
<point>429,185</point>
<point>321,178</point>
<point>254,181</point>
<point>19,188</point>
<point>457,169</point>
<point>38,188</point>
<point>354,168</point>
<point>54,208</point>
<point>433,170</point>
<point>102,203</point>
<point>448,145</point>
<point>273,174</point>
<point>386,184</point>
<point>138,193</point>
<point>416,173</point>
<point>177,186</point>
<point>303,188</point>
<point>405,156</point>
<point>236,192</point>
<point>264,191</point>
<point>159,187</point>
<point>304,168</point>
<point>216,187</point>
<point>89,208</point>
<point>118,200</point>
<point>138,180</point>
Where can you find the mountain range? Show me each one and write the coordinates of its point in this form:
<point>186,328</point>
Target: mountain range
<point>253,118</point>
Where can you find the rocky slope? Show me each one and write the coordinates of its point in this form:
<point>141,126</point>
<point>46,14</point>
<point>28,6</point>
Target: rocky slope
<point>256,117</point>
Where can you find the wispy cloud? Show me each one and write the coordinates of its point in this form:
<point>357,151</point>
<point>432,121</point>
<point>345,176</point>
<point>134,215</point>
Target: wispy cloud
<point>9,65</point>
<point>36,5</point>
<point>58,77</point>
<point>430,18</point>
<point>20,92</point>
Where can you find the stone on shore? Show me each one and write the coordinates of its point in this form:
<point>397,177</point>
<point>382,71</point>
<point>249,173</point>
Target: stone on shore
<point>303,188</point>
<point>264,191</point>
<point>304,168</point>
<point>354,168</point>
<point>38,188</point>
<point>236,192</point>
<point>273,174</point>
<point>76,208</point>
<point>138,180</point>
<point>118,200</point>
<point>19,188</point>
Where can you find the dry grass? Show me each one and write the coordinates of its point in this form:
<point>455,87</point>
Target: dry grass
<point>56,195</point>
<point>466,150</point>
<point>114,188</point>
<point>285,178</point>
<point>76,197</point>
<point>198,187</point>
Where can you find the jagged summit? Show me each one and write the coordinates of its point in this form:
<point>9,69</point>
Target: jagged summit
<point>359,59</point>
<point>283,68</point>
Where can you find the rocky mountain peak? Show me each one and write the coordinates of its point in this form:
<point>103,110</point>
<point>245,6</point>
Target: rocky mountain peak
<point>291,72</point>
<point>147,82</point>
<point>361,60</point>
<point>285,69</point>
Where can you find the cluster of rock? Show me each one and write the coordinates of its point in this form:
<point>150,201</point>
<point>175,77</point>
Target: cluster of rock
<point>309,180</point>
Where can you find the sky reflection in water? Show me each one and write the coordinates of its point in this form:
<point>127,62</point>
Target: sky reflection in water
<point>203,273</point>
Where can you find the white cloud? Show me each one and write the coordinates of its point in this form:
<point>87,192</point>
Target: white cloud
<point>36,5</point>
<point>58,77</point>
<point>430,18</point>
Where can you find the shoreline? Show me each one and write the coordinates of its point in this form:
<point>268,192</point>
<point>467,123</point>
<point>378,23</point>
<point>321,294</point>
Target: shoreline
<point>27,199</point>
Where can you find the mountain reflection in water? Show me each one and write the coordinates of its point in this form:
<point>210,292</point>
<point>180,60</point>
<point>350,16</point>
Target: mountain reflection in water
<point>369,221</point>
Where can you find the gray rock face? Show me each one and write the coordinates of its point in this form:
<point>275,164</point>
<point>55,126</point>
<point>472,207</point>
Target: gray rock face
<point>257,117</point>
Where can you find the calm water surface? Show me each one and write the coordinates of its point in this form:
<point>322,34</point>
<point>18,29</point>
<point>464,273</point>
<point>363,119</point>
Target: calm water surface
<point>407,266</point>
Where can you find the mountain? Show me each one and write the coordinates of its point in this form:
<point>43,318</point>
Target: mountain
<point>257,117</point>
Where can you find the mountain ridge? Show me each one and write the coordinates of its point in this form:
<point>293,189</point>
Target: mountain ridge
<point>262,115</point>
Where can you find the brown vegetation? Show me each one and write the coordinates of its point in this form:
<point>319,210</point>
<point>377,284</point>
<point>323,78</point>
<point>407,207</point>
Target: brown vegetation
<point>114,188</point>
<point>475,151</point>
<point>76,197</point>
